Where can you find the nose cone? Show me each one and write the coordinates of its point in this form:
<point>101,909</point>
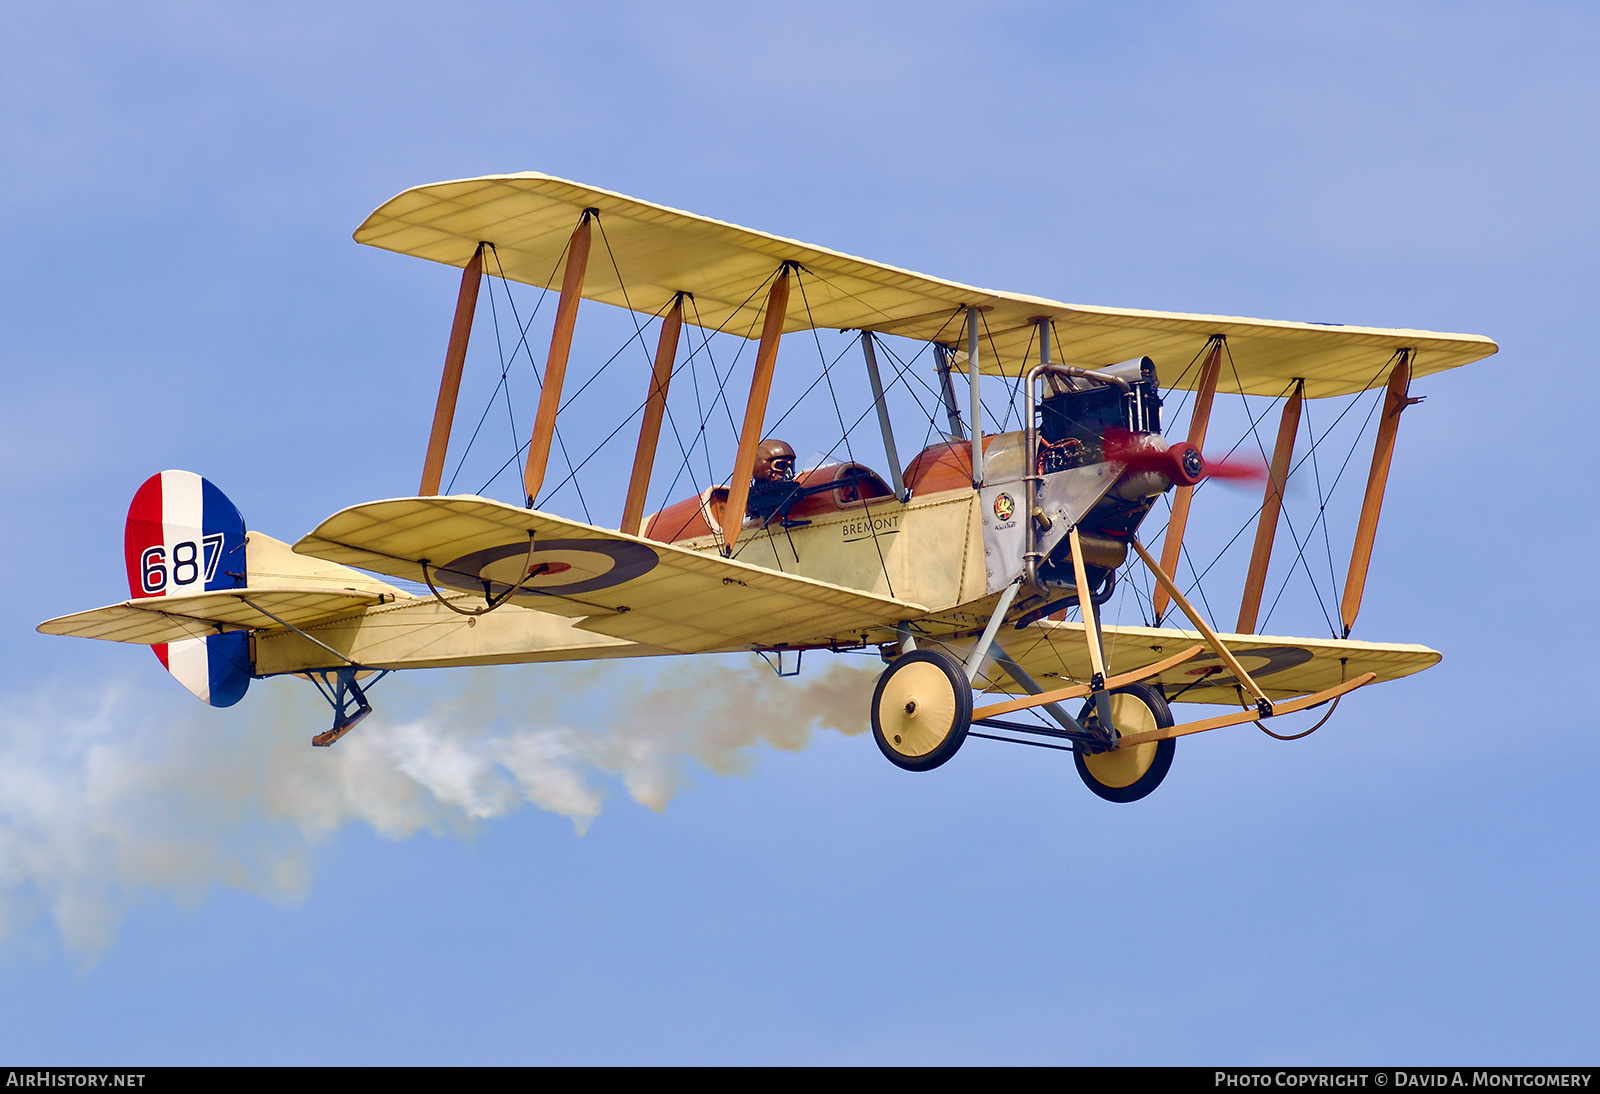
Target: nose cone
<point>1147,456</point>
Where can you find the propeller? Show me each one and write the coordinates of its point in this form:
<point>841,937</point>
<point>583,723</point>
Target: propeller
<point>1180,461</point>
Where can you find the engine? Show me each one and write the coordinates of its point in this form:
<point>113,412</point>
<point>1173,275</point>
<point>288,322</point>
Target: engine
<point>1090,421</point>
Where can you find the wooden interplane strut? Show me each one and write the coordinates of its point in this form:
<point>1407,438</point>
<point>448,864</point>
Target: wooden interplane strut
<point>1271,507</point>
<point>1218,647</point>
<point>555,366</point>
<point>1395,400</point>
<point>455,356</point>
<point>654,406</point>
<point>1172,542</point>
<point>755,411</point>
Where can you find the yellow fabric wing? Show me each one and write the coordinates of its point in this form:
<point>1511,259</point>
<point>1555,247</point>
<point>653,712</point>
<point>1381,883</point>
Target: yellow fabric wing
<point>158,619</point>
<point>659,251</point>
<point>474,548</point>
<point>1056,654</point>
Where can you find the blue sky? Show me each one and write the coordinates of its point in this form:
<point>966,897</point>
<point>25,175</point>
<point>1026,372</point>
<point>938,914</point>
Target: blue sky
<point>179,186</point>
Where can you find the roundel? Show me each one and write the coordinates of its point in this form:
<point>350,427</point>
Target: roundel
<point>557,567</point>
<point>1258,663</point>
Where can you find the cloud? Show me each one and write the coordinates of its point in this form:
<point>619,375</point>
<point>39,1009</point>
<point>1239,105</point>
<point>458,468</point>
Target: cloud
<point>121,794</point>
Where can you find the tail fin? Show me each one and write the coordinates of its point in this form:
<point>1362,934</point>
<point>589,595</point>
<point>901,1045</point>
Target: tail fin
<point>184,536</point>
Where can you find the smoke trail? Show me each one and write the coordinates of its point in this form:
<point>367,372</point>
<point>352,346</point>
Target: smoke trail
<point>112,800</point>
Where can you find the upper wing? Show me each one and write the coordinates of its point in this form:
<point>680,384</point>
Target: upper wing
<point>157,619</point>
<point>632,588</point>
<point>658,251</point>
<point>1055,653</point>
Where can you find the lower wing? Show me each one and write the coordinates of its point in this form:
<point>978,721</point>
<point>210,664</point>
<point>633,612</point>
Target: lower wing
<point>625,586</point>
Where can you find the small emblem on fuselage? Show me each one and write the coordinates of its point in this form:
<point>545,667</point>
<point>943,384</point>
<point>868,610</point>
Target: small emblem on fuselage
<point>1004,506</point>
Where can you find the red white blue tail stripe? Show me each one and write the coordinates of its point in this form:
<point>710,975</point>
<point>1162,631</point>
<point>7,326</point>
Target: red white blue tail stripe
<point>184,536</point>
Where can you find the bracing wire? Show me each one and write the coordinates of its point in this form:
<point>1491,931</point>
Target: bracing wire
<point>827,372</point>
<point>705,412</point>
<point>522,344</point>
<point>572,475</point>
<point>921,391</point>
<point>1016,385</point>
<point>974,375</point>
<point>505,366</point>
<point>1198,574</point>
<point>1283,509</point>
<point>1322,513</point>
<point>488,406</point>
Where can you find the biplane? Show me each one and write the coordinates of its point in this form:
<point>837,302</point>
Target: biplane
<point>979,570</point>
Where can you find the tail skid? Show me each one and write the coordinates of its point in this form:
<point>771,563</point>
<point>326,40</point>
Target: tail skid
<point>347,697</point>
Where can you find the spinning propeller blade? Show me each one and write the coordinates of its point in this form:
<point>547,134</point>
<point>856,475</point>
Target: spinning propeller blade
<point>1180,461</point>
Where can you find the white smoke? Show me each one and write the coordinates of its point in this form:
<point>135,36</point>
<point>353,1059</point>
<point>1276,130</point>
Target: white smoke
<point>111,800</point>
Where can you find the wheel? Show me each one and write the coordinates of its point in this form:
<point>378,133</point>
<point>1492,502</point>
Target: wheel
<point>922,709</point>
<point>1128,774</point>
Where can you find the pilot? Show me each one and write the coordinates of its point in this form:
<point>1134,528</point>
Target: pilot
<point>774,461</point>
<point>772,485</point>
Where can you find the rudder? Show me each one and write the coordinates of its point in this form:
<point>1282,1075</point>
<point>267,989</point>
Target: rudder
<point>184,536</point>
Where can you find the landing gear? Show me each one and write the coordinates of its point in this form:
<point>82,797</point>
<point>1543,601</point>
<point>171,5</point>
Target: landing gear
<point>1128,774</point>
<point>922,709</point>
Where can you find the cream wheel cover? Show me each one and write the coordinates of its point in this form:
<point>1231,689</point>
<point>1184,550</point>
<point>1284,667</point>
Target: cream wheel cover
<point>1125,766</point>
<point>917,709</point>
